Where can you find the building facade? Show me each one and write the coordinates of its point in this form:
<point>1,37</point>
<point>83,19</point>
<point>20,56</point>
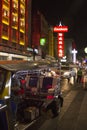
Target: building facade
<point>51,42</point>
<point>15,22</point>
<point>39,31</point>
<point>68,47</point>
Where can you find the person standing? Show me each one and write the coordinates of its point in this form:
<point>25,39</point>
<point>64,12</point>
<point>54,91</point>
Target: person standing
<point>79,75</point>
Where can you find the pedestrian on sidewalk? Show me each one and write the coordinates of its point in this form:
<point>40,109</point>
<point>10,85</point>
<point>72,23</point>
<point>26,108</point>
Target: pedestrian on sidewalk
<point>79,75</point>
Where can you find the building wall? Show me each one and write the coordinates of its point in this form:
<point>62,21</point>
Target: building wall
<point>39,30</point>
<point>55,41</point>
<point>28,23</point>
<point>36,29</point>
<point>51,42</point>
<point>13,22</point>
<point>68,48</point>
<point>14,26</point>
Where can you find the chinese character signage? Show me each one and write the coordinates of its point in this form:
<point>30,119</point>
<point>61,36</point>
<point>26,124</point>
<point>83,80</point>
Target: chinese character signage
<point>60,30</point>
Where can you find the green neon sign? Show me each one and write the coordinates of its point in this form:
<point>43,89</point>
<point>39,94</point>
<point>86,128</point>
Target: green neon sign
<point>42,41</point>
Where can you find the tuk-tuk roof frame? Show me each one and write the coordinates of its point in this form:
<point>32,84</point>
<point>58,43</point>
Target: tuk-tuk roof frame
<point>18,65</point>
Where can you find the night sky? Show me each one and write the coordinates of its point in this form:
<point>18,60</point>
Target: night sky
<point>72,13</point>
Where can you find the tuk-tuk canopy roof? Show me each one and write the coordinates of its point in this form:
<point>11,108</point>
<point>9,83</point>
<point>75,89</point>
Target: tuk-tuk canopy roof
<point>23,65</point>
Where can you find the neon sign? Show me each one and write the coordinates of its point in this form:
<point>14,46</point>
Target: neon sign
<point>60,30</point>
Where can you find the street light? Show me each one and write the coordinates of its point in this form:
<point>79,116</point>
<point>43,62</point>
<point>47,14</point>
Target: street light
<point>85,50</point>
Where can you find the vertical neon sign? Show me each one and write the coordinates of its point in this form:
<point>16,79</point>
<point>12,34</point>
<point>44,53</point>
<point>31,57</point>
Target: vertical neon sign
<point>60,30</point>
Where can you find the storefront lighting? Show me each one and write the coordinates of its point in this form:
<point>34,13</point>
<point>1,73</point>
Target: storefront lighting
<point>22,43</point>
<point>5,37</point>
<point>5,22</point>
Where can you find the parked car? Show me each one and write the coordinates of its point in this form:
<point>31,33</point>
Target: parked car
<point>67,72</point>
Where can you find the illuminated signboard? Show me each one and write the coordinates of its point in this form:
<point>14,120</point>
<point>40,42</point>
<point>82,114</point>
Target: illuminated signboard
<point>42,41</point>
<point>60,30</point>
<point>60,44</point>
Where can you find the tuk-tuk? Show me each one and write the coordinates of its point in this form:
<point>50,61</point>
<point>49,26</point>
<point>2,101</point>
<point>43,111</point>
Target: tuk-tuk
<point>24,92</point>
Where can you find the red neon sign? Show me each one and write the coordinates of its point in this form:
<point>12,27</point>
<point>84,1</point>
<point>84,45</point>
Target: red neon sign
<point>60,44</point>
<point>60,30</point>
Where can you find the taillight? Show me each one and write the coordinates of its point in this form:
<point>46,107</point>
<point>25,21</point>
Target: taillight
<point>50,97</point>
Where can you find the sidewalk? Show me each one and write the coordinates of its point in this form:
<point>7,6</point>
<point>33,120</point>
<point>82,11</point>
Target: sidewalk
<point>75,118</point>
<point>85,81</point>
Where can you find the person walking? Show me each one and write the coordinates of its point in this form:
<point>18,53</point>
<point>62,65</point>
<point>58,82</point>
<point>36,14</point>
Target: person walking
<point>79,75</point>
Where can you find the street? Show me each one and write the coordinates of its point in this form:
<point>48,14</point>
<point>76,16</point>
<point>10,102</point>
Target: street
<point>73,115</point>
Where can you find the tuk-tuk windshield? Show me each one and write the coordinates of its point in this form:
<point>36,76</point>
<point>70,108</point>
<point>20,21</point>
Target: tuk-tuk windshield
<point>47,83</point>
<point>33,81</point>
